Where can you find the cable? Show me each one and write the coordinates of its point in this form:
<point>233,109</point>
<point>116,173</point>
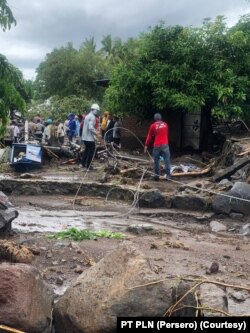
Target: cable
<point>144,171</point>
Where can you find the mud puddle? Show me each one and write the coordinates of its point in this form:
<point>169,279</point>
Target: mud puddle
<point>43,220</point>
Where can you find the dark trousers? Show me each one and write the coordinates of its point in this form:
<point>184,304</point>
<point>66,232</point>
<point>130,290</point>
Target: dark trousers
<point>117,141</point>
<point>88,154</point>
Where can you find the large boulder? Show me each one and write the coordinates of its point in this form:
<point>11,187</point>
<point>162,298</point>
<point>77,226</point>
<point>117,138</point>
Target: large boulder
<point>213,298</point>
<point>118,285</point>
<point>226,204</point>
<point>190,202</point>
<point>152,199</point>
<point>7,212</point>
<point>25,300</point>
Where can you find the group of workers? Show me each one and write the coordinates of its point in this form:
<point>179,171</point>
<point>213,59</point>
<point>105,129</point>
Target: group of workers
<point>84,129</point>
<point>111,132</point>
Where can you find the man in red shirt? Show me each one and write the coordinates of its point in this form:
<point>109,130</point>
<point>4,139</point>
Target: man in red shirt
<point>158,132</point>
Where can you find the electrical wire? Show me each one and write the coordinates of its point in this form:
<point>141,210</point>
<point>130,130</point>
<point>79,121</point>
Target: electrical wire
<point>144,171</point>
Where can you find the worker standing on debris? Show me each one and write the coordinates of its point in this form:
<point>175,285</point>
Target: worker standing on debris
<point>71,127</point>
<point>15,130</point>
<point>89,136</point>
<point>117,131</point>
<point>38,130</point>
<point>158,132</point>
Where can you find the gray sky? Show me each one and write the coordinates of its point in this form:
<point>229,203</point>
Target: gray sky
<point>45,24</point>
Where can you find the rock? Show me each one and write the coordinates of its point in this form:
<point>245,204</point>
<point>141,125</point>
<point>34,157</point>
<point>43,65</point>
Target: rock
<point>214,268</point>
<point>239,296</point>
<point>217,226</point>
<point>226,205</point>
<point>152,199</point>
<point>168,202</point>
<point>140,228</point>
<point>245,230</point>
<point>49,254</point>
<point>7,212</point>
<point>238,302</point>
<point>25,300</point>
<point>190,202</point>
<point>111,289</point>
<point>212,297</point>
<point>59,281</point>
<point>236,216</point>
<point>28,190</point>
<point>78,269</point>
<point>225,184</point>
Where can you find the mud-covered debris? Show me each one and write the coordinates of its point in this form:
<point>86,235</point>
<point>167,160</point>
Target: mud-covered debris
<point>10,251</point>
<point>154,246</point>
<point>176,245</point>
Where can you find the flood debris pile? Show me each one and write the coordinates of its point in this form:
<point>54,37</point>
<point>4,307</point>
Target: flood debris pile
<point>10,251</point>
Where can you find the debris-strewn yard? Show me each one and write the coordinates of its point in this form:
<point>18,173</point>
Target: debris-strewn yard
<point>178,225</point>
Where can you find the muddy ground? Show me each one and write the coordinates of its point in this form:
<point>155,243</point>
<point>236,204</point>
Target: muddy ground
<point>180,244</point>
<point>176,242</point>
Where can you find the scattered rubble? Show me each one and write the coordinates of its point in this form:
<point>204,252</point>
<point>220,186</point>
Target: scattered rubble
<point>124,282</point>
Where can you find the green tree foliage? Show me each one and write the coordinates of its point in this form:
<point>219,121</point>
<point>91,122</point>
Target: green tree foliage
<point>67,71</point>
<point>58,108</point>
<point>63,106</point>
<point>112,49</point>
<point>6,16</point>
<point>167,68</point>
<point>239,55</point>
<point>13,92</point>
<point>178,68</point>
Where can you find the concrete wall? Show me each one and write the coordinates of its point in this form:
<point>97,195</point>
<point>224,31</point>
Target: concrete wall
<point>140,129</point>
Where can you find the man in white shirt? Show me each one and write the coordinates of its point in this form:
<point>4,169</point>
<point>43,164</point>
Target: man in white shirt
<point>89,136</point>
<point>15,131</point>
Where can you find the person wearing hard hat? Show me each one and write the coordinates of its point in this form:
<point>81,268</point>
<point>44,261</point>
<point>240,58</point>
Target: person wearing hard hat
<point>89,136</point>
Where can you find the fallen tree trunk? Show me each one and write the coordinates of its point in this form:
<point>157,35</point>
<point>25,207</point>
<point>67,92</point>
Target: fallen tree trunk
<point>225,173</point>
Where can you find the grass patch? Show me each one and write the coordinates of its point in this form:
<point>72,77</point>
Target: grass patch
<point>79,235</point>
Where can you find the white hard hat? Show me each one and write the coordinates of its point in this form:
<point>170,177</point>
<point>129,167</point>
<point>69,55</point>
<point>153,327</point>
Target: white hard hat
<point>95,107</point>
